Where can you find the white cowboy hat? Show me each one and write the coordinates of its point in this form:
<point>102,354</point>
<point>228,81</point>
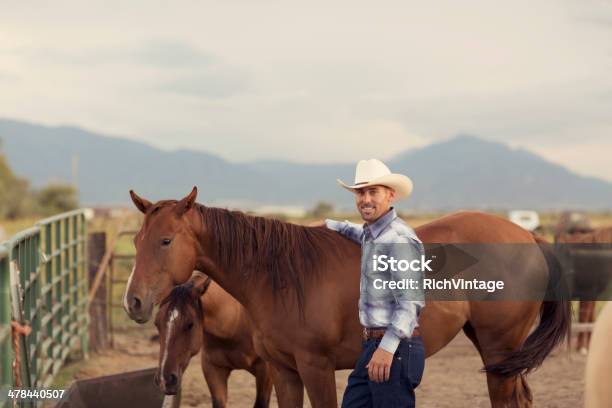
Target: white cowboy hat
<point>374,172</point>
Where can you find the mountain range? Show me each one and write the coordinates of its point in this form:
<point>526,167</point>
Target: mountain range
<point>462,172</point>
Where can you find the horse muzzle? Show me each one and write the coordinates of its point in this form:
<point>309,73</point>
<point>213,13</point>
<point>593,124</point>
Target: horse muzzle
<point>171,384</point>
<point>137,309</point>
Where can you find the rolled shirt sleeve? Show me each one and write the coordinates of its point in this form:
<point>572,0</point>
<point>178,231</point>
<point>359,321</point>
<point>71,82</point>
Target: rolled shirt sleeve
<point>408,302</point>
<point>350,230</point>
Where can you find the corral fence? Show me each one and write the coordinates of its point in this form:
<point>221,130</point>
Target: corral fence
<point>43,300</point>
<point>109,266</point>
<point>116,281</point>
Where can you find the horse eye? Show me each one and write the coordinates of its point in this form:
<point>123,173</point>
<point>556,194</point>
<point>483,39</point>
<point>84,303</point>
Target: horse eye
<point>166,241</point>
<point>189,326</point>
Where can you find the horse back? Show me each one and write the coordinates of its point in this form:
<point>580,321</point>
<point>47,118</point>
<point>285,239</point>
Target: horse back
<point>473,227</point>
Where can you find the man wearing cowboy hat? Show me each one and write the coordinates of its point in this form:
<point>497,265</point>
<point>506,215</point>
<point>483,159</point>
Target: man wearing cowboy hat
<point>393,358</point>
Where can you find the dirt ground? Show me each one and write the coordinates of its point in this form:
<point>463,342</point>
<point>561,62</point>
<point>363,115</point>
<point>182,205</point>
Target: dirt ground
<point>451,379</point>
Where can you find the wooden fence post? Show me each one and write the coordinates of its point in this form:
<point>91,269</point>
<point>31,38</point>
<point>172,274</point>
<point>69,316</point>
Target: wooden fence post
<point>98,310</point>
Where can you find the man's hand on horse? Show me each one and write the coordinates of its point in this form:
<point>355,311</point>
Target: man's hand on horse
<point>379,367</point>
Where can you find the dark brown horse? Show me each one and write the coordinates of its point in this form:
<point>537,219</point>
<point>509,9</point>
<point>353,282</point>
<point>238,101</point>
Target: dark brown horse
<point>200,316</point>
<point>300,286</point>
<point>585,274</point>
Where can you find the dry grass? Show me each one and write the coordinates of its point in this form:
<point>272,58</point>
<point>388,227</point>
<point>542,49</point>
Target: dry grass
<point>13,226</point>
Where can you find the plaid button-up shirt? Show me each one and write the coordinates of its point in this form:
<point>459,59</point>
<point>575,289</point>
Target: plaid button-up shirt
<point>395,309</point>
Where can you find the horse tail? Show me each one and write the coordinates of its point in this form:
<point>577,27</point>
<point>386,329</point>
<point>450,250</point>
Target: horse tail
<point>554,326</point>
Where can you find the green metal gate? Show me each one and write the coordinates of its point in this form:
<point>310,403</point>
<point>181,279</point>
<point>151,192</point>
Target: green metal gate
<point>6,353</point>
<point>52,263</point>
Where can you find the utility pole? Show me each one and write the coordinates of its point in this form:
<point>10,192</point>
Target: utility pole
<point>75,180</point>
<point>75,165</point>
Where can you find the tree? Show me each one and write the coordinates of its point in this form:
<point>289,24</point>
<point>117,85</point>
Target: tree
<point>18,200</point>
<point>15,198</point>
<point>322,209</point>
<point>57,198</point>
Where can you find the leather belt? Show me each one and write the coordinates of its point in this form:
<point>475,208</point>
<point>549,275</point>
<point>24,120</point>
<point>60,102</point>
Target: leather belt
<point>377,333</point>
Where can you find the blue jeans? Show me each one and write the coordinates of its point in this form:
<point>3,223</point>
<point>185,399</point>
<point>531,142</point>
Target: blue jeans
<point>406,372</point>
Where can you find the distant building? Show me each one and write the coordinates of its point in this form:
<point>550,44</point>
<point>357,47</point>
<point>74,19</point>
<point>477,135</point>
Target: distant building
<point>106,212</point>
<point>530,220</point>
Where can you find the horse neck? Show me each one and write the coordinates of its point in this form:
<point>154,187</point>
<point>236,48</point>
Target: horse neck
<point>243,281</point>
<point>228,279</point>
<point>222,313</point>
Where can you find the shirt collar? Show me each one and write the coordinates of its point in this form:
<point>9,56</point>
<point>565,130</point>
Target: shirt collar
<point>380,224</point>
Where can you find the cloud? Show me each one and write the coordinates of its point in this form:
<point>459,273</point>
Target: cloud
<point>602,21</point>
<point>171,66</point>
<point>84,57</point>
<point>208,83</point>
<point>195,72</point>
<point>8,76</point>
<point>599,14</point>
<point>254,79</point>
<point>172,54</point>
<point>161,54</point>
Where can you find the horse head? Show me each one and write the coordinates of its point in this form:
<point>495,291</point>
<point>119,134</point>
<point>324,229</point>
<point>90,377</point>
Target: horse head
<point>179,324</point>
<point>166,248</point>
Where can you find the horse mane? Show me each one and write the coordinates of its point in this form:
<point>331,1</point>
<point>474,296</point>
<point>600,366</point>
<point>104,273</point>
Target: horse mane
<point>282,251</point>
<point>596,236</point>
<point>181,297</point>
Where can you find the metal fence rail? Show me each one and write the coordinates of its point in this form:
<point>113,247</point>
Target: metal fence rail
<point>51,259</point>
<point>65,323</point>
<point>6,353</point>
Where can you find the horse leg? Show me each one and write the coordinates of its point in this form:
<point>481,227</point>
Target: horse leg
<point>471,334</point>
<point>263,381</point>
<point>216,378</point>
<point>585,315</point>
<point>581,335</point>
<point>318,373</point>
<point>289,387</point>
<point>491,382</point>
<point>440,322</point>
<point>504,392</point>
<point>590,319</point>
<point>513,392</point>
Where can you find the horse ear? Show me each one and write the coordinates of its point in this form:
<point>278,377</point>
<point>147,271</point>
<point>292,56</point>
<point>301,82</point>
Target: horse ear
<point>199,282</point>
<point>187,203</point>
<point>142,204</point>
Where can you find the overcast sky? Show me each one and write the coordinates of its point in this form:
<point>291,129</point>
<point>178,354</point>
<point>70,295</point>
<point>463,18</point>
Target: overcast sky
<point>317,81</point>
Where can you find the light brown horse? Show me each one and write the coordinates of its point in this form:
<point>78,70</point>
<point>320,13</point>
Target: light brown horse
<point>300,286</point>
<point>586,310</point>
<point>598,393</point>
<point>200,316</point>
